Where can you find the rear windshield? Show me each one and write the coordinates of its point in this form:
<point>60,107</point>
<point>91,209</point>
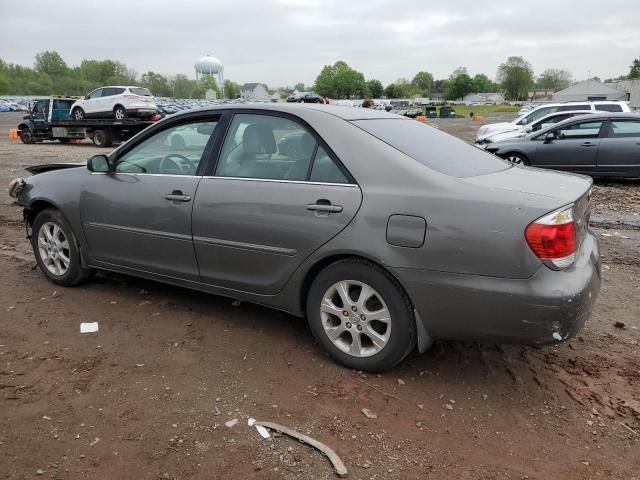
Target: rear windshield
<point>143,92</point>
<point>437,150</point>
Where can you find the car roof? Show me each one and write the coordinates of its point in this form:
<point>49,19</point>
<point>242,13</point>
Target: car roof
<point>345,113</point>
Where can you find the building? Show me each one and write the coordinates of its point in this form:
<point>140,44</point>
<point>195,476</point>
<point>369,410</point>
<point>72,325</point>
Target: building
<point>632,87</point>
<point>589,90</point>
<point>254,92</point>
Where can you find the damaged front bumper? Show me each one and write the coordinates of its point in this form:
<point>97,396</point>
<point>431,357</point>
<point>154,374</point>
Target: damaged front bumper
<point>16,186</point>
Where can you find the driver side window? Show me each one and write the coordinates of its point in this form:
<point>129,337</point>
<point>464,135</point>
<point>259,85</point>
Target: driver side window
<point>177,150</point>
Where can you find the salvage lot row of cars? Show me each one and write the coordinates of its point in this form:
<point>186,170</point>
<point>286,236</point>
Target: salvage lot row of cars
<point>595,138</point>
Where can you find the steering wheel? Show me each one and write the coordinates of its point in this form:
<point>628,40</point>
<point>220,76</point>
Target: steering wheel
<point>180,164</point>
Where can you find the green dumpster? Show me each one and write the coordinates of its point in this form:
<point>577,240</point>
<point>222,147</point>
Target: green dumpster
<point>445,112</point>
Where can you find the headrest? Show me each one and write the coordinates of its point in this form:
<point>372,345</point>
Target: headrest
<point>258,139</point>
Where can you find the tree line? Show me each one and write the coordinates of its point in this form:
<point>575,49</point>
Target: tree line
<point>50,74</point>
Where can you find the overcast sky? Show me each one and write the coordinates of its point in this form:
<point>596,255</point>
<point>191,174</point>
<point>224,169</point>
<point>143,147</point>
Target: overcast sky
<point>282,42</point>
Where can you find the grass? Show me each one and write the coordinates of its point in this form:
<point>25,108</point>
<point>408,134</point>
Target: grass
<point>465,110</point>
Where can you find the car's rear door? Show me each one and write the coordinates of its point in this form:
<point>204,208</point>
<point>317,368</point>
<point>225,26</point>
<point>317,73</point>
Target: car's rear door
<point>619,151</point>
<point>262,211</point>
<point>574,147</point>
<point>139,216</point>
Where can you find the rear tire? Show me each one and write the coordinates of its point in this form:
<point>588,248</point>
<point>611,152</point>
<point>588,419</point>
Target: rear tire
<point>56,249</point>
<point>77,113</point>
<point>119,113</point>
<point>102,138</point>
<point>26,136</point>
<point>371,332</point>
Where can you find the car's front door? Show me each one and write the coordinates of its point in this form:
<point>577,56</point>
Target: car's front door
<point>40,114</point>
<point>91,105</point>
<point>138,216</point>
<point>277,195</point>
<point>619,150</point>
<point>574,147</point>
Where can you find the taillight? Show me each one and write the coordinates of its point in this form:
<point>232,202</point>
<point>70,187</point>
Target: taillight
<point>553,238</point>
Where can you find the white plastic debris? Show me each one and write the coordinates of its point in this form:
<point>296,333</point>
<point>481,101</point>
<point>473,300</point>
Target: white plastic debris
<point>261,430</point>
<point>89,327</point>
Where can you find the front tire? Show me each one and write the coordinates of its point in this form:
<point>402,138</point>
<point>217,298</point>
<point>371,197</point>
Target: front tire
<point>56,249</point>
<point>361,316</point>
<point>26,136</point>
<point>77,114</point>
<point>516,158</point>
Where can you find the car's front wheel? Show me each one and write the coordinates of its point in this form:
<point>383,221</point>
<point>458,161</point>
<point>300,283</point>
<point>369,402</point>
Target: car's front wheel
<point>361,315</point>
<point>56,249</point>
<point>77,113</point>
<point>516,159</point>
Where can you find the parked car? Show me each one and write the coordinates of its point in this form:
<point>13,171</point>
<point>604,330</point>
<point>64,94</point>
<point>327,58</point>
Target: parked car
<point>115,102</point>
<point>598,144</point>
<point>535,126</point>
<point>305,97</point>
<point>384,232</point>
<point>541,111</point>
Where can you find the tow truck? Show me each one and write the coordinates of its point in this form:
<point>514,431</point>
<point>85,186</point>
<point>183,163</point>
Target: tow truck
<point>49,119</point>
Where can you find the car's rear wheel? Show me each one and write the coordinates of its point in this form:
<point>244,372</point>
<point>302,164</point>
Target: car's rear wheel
<point>361,315</point>
<point>56,249</point>
<point>119,113</point>
<point>516,158</point>
<point>77,113</point>
<point>26,136</point>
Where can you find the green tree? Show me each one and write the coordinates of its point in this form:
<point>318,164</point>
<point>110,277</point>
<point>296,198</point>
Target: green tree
<point>482,83</point>
<point>340,81</point>
<point>554,79</point>
<point>156,83</point>
<point>231,89</point>
<point>209,82</point>
<point>516,78</point>
<point>458,85</point>
<point>424,81</point>
<point>50,63</point>
<point>299,87</point>
<point>375,88</point>
<point>393,91</point>
<point>634,69</point>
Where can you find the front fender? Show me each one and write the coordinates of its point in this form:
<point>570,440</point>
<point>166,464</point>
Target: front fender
<point>27,125</point>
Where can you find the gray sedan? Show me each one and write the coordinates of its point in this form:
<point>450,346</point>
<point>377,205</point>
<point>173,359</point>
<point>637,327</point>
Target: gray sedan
<point>384,232</point>
<point>598,144</point>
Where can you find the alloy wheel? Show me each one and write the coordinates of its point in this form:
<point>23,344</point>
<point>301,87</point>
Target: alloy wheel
<point>355,318</point>
<point>516,159</point>
<point>53,247</point>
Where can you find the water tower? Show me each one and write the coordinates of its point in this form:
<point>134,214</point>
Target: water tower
<point>209,65</point>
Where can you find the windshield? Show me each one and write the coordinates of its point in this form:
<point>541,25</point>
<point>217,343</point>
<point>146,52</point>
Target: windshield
<point>437,150</point>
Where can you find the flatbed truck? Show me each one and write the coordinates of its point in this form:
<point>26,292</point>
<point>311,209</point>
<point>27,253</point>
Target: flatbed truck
<point>49,119</point>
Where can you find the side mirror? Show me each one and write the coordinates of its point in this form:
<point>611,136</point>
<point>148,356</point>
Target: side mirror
<point>528,129</point>
<point>98,163</point>
<point>549,136</point>
<point>86,97</point>
<point>524,121</point>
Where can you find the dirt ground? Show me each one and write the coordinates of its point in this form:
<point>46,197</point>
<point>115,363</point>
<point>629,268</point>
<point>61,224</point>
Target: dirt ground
<point>148,396</point>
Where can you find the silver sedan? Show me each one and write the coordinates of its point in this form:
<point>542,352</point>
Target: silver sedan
<point>383,232</point>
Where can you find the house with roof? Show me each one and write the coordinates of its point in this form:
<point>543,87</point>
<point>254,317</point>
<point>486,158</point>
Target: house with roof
<point>589,90</point>
<point>254,92</point>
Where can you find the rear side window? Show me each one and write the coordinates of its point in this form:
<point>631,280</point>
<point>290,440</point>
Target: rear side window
<point>325,170</point>
<point>143,92</point>
<point>624,128</point>
<point>609,107</point>
<point>437,150</point>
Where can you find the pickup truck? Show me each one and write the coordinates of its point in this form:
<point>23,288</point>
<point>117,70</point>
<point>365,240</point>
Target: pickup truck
<point>49,119</point>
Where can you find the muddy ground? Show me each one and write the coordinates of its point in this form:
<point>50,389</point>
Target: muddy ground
<point>148,396</point>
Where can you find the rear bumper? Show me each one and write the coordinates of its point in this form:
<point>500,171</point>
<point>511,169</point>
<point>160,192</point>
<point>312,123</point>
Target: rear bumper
<point>548,307</point>
<point>142,111</point>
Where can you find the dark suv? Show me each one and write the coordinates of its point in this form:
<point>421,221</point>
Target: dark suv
<point>305,97</point>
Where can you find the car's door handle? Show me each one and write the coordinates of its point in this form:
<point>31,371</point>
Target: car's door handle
<point>324,206</point>
<point>177,196</point>
<point>588,144</point>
